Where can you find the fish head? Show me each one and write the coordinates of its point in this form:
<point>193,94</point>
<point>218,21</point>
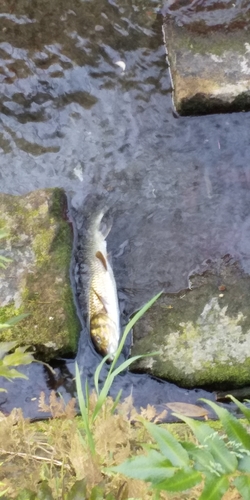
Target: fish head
<point>104,334</point>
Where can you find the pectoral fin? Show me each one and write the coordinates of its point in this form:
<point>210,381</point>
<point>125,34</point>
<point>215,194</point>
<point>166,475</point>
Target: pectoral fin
<point>99,255</point>
<point>102,300</point>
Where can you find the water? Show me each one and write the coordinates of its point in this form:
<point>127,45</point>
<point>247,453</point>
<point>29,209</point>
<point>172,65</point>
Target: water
<point>71,117</point>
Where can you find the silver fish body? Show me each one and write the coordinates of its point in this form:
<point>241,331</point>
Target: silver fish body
<point>103,307</point>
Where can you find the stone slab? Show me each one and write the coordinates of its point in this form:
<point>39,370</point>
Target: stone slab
<point>209,56</point>
<point>37,281</point>
<point>202,334</point>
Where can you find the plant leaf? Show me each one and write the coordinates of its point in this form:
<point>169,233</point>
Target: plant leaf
<point>109,381</point>
<point>6,347</point>
<point>5,259</point>
<point>232,426</point>
<point>11,373</point>
<point>44,492</point>
<point>168,444</point>
<point>130,325</point>
<point>214,444</point>
<point>97,493</point>
<point>242,407</point>
<point>13,321</point>
<point>78,491</point>
<point>244,464</point>
<point>26,495</point>
<point>242,484</point>
<point>203,460</point>
<point>153,468</point>
<point>182,480</point>
<point>116,402</point>
<point>214,488</point>
<point>98,371</point>
<point>84,410</point>
<point>3,233</point>
<point>19,357</point>
<point>113,372</point>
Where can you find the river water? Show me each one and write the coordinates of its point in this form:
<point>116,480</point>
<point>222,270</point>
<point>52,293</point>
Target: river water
<point>178,187</point>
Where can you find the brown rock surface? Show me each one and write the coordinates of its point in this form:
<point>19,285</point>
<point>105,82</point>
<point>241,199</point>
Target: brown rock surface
<point>209,55</point>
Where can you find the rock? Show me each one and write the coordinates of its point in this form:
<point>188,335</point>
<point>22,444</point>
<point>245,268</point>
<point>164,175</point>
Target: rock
<point>202,334</point>
<point>209,56</point>
<point>37,279</point>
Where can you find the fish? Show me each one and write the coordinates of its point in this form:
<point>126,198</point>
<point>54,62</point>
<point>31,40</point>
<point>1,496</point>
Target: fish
<point>103,306</point>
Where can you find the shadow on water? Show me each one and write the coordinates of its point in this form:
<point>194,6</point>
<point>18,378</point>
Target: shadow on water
<point>71,117</point>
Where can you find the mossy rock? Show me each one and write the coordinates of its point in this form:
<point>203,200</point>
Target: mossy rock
<point>37,280</point>
<point>202,334</point>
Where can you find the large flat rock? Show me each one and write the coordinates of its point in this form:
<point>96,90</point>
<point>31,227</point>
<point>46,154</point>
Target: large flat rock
<point>209,55</point>
<point>202,334</point>
<point>36,281</point>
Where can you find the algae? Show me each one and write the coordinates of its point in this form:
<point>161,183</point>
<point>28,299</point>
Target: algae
<point>202,336</point>
<point>40,244</point>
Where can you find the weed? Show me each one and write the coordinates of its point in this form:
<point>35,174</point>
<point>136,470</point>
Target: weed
<point>84,402</point>
<point>113,451</point>
<point>218,461</point>
<point>3,260</point>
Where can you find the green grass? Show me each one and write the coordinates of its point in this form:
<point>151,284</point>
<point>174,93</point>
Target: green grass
<point>82,461</point>
<point>102,393</point>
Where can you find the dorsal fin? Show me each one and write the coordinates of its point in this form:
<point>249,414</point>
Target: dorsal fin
<point>101,257</point>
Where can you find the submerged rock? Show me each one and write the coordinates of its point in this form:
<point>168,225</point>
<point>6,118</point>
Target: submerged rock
<point>37,281</point>
<point>208,51</point>
<point>202,334</point>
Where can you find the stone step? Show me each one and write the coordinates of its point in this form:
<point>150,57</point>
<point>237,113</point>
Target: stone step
<point>208,50</point>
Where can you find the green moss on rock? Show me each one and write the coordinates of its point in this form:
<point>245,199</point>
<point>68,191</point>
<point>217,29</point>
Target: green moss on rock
<point>202,335</point>
<point>37,280</point>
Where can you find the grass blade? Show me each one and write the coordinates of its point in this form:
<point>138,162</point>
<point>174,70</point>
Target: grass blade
<point>116,401</point>
<point>109,381</point>
<point>98,371</point>
<point>130,325</point>
<point>242,407</point>
<point>13,321</point>
<point>84,411</point>
<point>129,362</point>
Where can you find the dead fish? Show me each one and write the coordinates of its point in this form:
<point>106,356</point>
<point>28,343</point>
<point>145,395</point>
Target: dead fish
<point>103,307</point>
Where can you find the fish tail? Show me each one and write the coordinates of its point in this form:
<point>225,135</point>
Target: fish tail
<point>98,225</point>
<point>98,218</point>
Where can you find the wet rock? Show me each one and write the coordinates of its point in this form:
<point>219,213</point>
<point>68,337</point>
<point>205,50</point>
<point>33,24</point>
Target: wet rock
<point>209,55</point>
<point>36,281</point>
<point>202,334</point>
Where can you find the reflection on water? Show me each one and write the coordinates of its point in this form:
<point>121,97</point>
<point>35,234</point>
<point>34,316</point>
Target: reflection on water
<point>71,117</point>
